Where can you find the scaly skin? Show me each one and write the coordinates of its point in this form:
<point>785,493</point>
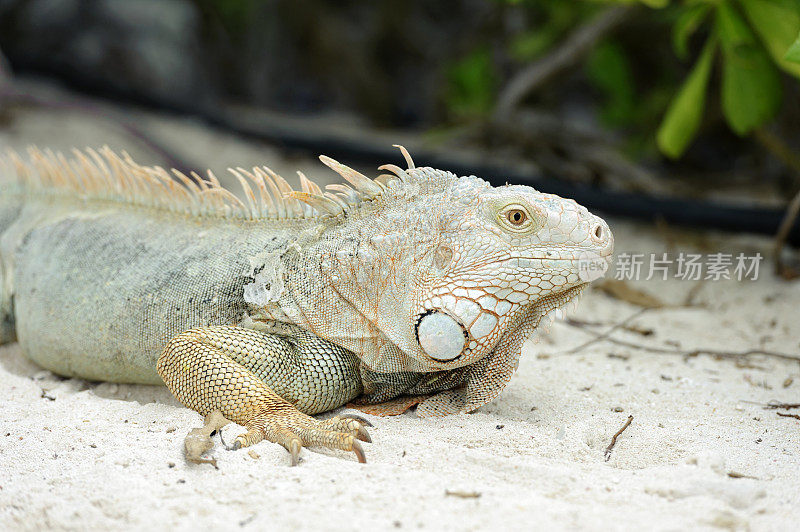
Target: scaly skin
<point>266,383</point>
<point>418,287</point>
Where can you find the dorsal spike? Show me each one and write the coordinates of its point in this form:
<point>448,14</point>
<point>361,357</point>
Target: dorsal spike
<point>21,169</point>
<point>201,183</point>
<point>396,170</point>
<point>264,201</point>
<point>248,192</point>
<point>336,199</point>
<point>293,208</point>
<point>320,203</point>
<point>359,181</point>
<point>313,188</point>
<point>385,179</point>
<point>267,198</point>
<point>351,195</point>
<point>227,197</point>
<point>406,156</point>
<point>277,196</point>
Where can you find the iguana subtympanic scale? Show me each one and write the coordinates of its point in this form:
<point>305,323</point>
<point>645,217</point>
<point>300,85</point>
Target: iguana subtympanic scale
<point>417,287</point>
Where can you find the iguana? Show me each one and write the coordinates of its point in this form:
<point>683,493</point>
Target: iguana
<point>417,287</point>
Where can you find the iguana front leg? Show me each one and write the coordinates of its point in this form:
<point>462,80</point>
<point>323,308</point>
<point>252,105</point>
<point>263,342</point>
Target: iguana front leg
<point>268,384</point>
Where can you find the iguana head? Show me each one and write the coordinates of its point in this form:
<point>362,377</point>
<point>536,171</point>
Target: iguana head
<point>426,271</point>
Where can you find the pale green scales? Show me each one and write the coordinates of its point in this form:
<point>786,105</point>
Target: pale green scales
<point>418,284</point>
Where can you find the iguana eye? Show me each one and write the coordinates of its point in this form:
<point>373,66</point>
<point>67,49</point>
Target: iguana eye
<point>516,217</point>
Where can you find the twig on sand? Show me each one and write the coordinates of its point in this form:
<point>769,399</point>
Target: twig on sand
<point>782,414</point>
<point>605,337</point>
<point>462,494</point>
<point>736,474</point>
<point>773,405</point>
<point>601,336</point>
<point>615,436</point>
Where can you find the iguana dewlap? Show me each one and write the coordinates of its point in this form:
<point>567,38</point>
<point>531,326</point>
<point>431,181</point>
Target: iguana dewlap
<point>415,287</point>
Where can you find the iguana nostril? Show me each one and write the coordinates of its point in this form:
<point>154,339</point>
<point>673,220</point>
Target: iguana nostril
<point>598,231</point>
<point>440,336</point>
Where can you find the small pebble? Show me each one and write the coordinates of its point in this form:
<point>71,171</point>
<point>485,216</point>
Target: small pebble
<point>618,409</point>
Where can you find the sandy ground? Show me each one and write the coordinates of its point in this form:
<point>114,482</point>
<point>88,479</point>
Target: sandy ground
<point>701,452</point>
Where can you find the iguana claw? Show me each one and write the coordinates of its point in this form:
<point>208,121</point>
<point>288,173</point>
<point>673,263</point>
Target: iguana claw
<point>358,418</point>
<point>359,452</point>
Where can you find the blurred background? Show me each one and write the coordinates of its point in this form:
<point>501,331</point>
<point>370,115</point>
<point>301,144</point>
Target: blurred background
<point>676,112</point>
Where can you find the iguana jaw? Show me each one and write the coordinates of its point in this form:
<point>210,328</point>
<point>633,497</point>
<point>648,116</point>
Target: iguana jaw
<point>543,312</point>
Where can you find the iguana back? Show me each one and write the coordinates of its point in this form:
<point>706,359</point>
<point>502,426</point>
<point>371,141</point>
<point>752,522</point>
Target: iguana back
<point>102,278</point>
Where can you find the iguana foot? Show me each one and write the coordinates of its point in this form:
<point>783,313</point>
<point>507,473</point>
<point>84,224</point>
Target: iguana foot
<point>294,433</point>
<point>200,368</point>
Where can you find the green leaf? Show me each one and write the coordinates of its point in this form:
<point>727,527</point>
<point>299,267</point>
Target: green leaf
<point>688,21</point>
<point>531,44</point>
<point>777,23</point>
<point>471,84</point>
<point>685,112</point>
<point>793,53</point>
<point>657,4</point>
<point>610,71</point>
<point>751,85</point>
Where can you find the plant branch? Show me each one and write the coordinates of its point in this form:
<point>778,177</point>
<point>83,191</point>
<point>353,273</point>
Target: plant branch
<point>792,211</point>
<point>574,48</point>
<point>778,148</point>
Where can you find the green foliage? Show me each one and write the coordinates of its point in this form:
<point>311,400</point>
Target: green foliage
<point>744,46</point>
<point>793,54</point>
<point>557,16</point>
<point>610,71</point>
<point>235,15</point>
<point>754,36</point>
<point>776,22</point>
<point>688,22</point>
<point>472,84</point>
<point>685,113</point>
<point>751,85</point>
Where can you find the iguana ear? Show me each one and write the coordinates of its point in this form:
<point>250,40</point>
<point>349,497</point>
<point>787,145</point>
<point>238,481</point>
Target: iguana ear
<point>441,336</point>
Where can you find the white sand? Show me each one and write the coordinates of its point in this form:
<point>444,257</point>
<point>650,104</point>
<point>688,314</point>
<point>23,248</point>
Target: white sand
<point>101,455</point>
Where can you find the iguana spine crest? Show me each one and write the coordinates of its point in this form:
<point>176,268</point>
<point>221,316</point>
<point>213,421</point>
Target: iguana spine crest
<point>105,175</point>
